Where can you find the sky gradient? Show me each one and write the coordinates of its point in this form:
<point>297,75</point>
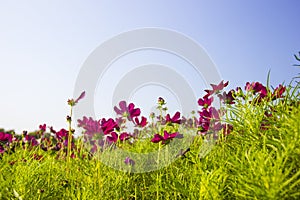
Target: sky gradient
<point>43,45</point>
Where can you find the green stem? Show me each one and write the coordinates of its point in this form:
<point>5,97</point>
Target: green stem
<point>69,134</point>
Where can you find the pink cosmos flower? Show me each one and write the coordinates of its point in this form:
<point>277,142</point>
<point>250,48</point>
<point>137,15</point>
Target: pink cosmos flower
<point>5,137</point>
<point>227,98</point>
<point>278,92</point>
<point>73,102</point>
<point>174,119</point>
<point>166,138</point>
<point>129,161</point>
<point>129,111</point>
<point>256,87</point>
<point>141,123</point>
<point>112,137</point>
<point>205,101</point>
<point>31,139</point>
<point>124,136</point>
<point>42,127</point>
<point>216,88</point>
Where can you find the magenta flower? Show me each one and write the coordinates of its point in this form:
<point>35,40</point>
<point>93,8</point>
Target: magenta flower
<point>42,127</point>
<point>91,126</point>
<point>62,134</point>
<point>128,111</point>
<point>219,87</point>
<point>216,88</point>
<point>227,98</point>
<point>108,126</point>
<point>157,138</point>
<point>5,137</point>
<point>166,138</point>
<point>2,150</point>
<point>122,109</point>
<point>203,127</point>
<point>205,101</point>
<point>112,137</point>
<point>73,102</point>
<point>161,101</point>
<point>278,92</point>
<point>174,119</point>
<point>129,161</point>
<point>141,123</point>
<point>211,113</point>
<point>102,126</point>
<point>124,136</point>
<point>31,139</point>
<point>256,87</point>
<point>82,95</point>
<point>133,112</point>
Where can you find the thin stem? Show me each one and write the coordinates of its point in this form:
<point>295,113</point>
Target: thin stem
<point>69,133</point>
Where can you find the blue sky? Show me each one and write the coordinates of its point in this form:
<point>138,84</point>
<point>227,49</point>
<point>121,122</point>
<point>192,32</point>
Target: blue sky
<point>43,45</point>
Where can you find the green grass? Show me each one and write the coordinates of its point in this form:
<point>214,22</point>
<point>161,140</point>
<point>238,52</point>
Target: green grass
<point>250,163</point>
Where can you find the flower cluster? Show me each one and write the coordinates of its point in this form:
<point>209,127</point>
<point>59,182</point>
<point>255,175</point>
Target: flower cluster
<point>210,118</point>
<point>109,132</point>
<point>101,132</point>
<point>131,113</point>
<point>47,141</point>
<point>166,138</point>
<point>106,132</point>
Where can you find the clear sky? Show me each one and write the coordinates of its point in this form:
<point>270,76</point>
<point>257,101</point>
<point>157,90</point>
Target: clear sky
<point>43,45</point>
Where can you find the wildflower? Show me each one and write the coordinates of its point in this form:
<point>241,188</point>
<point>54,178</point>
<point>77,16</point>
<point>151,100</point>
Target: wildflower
<point>205,101</point>
<point>129,161</point>
<point>73,102</point>
<point>91,126</point>
<point>239,92</point>
<point>108,126</point>
<point>123,108</point>
<point>227,98</point>
<point>133,112</point>
<point>124,136</point>
<point>2,150</point>
<point>216,88</point>
<point>141,123</point>
<point>157,138</point>
<point>31,139</point>
<point>42,127</point>
<point>82,95</point>
<point>278,92</point>
<point>127,111</point>
<point>227,128</point>
<point>5,137</point>
<point>112,138</point>
<point>166,138</point>
<point>256,87</point>
<point>203,127</point>
<point>174,119</point>
<point>62,134</point>
<point>208,114</point>
<point>161,101</point>
<point>52,130</point>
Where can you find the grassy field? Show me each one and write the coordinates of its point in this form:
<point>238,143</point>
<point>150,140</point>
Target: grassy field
<point>258,159</point>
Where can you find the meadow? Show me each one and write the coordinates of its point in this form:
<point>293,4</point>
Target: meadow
<point>242,143</point>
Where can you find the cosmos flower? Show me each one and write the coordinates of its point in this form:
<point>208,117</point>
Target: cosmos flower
<point>129,161</point>
<point>166,138</point>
